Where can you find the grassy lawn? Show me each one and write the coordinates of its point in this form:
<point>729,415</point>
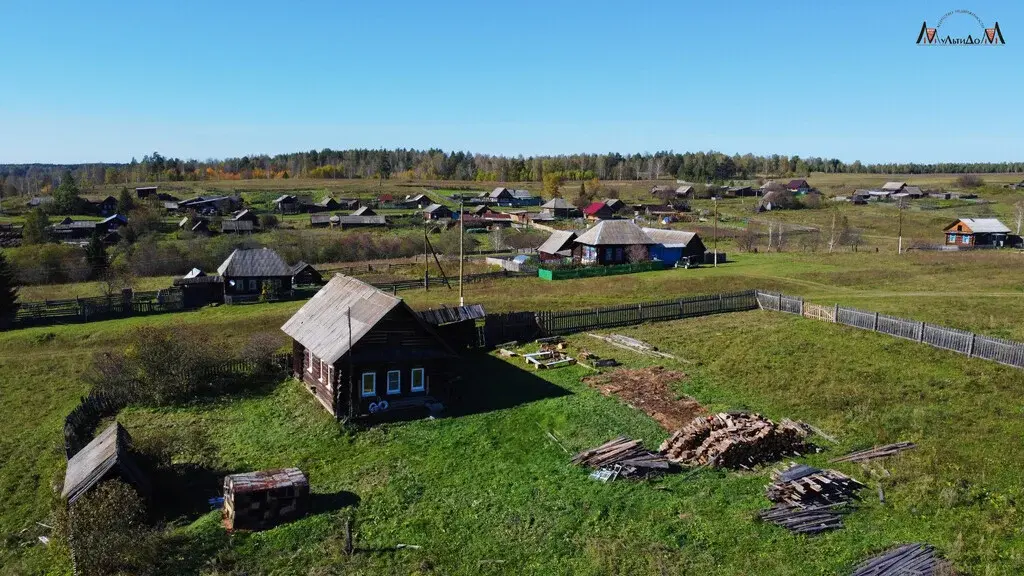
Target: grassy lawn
<point>487,492</point>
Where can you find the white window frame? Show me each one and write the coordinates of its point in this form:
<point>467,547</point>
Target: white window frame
<point>320,373</point>
<point>423,379</point>
<point>330,376</point>
<point>362,384</point>
<point>398,375</point>
<point>309,360</point>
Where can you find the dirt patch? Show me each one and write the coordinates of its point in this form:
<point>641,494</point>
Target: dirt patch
<point>650,390</point>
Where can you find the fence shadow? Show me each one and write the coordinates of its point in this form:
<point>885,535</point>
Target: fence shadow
<point>490,384</point>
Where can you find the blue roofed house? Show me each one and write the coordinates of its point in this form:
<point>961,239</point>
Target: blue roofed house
<point>671,246</point>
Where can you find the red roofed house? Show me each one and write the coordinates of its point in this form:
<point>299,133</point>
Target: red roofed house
<point>598,211</point>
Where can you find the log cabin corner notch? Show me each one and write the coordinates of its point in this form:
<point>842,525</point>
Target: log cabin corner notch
<point>389,360</point>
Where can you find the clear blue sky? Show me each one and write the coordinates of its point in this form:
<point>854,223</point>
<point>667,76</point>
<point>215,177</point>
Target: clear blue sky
<point>106,81</point>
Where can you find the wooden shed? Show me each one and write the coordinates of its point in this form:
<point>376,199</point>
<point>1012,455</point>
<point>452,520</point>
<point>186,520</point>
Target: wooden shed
<point>108,456</point>
<point>362,351</point>
<point>260,500</point>
<point>303,273</point>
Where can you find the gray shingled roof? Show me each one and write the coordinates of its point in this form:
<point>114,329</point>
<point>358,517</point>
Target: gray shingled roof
<point>893,186</point>
<point>432,208</point>
<point>322,324</point>
<point>670,238</point>
<point>557,242</point>
<point>254,263</point>
<point>90,465</point>
<point>237,225</point>
<point>614,232</point>
<point>558,204</point>
<point>364,211</point>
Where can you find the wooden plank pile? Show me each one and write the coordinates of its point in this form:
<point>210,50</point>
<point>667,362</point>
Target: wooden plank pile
<point>627,457</point>
<point>877,452</point>
<point>809,500</point>
<point>734,440</point>
<point>548,359</point>
<point>916,559</point>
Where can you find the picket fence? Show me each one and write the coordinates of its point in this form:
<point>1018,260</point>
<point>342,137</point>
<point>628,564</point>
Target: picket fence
<point>967,343</point>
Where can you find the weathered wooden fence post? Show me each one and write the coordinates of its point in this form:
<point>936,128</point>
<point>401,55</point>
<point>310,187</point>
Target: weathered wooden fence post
<point>875,328</point>
<point>780,302</point>
<point>835,315</point>
<point>920,332</point>
<point>801,306</point>
<point>970,349</point>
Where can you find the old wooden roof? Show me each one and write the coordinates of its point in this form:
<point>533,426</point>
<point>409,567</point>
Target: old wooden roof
<point>558,241</point>
<point>322,324</point>
<point>254,263</point>
<point>435,208</point>
<point>364,211</point>
<point>456,314</point>
<point>265,480</point>
<point>893,186</point>
<point>237,225</point>
<point>670,238</point>
<point>614,232</point>
<point>558,204</point>
<point>107,451</point>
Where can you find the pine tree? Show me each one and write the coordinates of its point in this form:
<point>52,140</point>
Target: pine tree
<point>8,292</point>
<point>125,202</point>
<point>65,197</point>
<point>96,255</point>
<point>35,229</point>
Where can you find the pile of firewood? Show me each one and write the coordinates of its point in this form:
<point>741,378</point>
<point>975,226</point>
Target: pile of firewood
<point>802,485</point>
<point>809,500</point>
<point>627,457</point>
<point>736,440</point>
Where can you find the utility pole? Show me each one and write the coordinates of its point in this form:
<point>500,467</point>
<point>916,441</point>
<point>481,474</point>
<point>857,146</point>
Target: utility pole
<point>899,245</point>
<point>715,239</point>
<point>462,239</point>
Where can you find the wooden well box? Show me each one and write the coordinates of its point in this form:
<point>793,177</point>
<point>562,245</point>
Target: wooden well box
<point>259,500</point>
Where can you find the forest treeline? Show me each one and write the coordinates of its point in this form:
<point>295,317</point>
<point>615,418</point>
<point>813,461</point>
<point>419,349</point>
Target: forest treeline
<point>436,164</point>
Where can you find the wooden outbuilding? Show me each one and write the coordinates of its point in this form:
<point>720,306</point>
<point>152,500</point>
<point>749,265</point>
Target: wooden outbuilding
<point>198,289</point>
<point>264,499</point>
<point>436,212</point>
<point>557,247</point>
<point>248,273</point>
<point>362,351</point>
<point>305,274</point>
<point>598,211</point>
<point>108,456</point>
<point>237,226</point>
<point>560,208</point>
<point>144,192</point>
<point>674,245</point>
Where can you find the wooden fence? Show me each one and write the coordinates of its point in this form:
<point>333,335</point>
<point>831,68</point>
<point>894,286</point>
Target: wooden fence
<point>557,323</point>
<point>97,308</point>
<point>967,343</point>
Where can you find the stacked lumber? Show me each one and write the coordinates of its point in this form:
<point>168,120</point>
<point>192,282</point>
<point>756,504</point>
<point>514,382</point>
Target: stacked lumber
<point>736,440</point>
<point>627,456</point>
<point>805,486</point>
<point>877,452</point>
<point>917,559</point>
<point>809,500</point>
<point>801,520</point>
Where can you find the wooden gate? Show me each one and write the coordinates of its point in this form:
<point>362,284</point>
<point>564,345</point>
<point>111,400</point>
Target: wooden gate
<point>823,313</point>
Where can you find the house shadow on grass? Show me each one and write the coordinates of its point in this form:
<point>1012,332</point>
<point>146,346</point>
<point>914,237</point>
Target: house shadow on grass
<point>490,384</point>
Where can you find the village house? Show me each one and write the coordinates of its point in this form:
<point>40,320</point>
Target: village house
<point>436,212</point>
<point>598,211</point>
<point>671,246</point>
<point>291,204</point>
<point>361,351</point>
<point>348,203</point>
<point>418,201</point>
<point>145,192</point>
<point>104,207</point>
<point>560,208</point>
<point>684,191</point>
<point>799,186</point>
<point>68,230</point>
<point>512,197</point>
<point>741,191</point>
<point>557,247</point>
<point>612,242</point>
<point>775,200</point>
<point>250,273</point>
<point>615,204</point>
<point>977,232</point>
<point>326,204</point>
<point>893,187</point>
<point>482,210</point>
<point>106,457</point>
<point>211,205</point>
<point>305,274</point>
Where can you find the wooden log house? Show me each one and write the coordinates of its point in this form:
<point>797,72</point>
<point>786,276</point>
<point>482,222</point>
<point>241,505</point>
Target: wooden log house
<point>361,351</point>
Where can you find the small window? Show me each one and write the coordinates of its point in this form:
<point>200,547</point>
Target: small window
<point>418,380</point>
<point>320,374</point>
<point>369,384</point>
<point>252,285</point>
<point>952,238</point>
<point>309,361</point>
<point>330,377</point>
<point>394,382</point>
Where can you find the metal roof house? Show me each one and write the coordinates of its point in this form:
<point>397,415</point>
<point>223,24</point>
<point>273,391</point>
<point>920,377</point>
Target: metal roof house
<point>560,208</point>
<point>558,246</point>
<point>106,457</point>
<point>977,232</point>
<point>417,201</point>
<point>361,351</point>
<point>251,273</point>
<point>674,245</point>
<point>513,197</point>
<point>436,212</point>
<point>610,242</point>
<point>799,186</point>
<point>598,211</point>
